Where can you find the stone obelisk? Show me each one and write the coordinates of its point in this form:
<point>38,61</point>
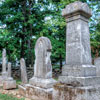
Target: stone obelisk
<point>78,80</point>
<point>4,64</point>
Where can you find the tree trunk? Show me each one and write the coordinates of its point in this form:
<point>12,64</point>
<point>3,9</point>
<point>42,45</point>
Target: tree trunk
<point>60,62</point>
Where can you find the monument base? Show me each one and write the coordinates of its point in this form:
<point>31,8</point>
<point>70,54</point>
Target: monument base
<point>79,70</point>
<point>80,81</point>
<point>67,92</point>
<point>9,84</point>
<point>35,93</point>
<point>43,83</point>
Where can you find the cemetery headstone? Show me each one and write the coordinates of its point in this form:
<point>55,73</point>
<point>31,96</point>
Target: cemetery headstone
<point>23,71</point>
<point>4,64</point>
<point>42,68</point>
<point>9,83</point>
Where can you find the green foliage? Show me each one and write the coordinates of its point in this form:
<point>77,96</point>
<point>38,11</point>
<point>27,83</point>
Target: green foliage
<point>8,97</point>
<point>24,21</point>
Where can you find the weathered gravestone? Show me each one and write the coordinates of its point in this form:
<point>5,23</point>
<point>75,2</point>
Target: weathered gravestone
<point>4,66</point>
<point>9,83</point>
<point>97,64</point>
<point>40,85</point>
<point>23,71</point>
<point>78,80</point>
<point>42,68</point>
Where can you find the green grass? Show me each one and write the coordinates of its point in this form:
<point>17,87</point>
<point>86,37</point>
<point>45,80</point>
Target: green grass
<point>18,82</point>
<point>8,97</point>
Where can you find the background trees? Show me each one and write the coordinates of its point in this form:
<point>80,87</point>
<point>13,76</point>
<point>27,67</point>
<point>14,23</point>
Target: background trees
<point>23,21</point>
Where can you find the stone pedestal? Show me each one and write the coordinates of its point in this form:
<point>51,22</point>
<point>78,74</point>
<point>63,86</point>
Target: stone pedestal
<point>67,92</point>
<point>78,80</point>
<point>43,83</point>
<point>35,93</point>
<point>9,84</point>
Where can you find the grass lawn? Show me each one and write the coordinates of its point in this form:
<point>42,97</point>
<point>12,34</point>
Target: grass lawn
<point>8,97</point>
<point>18,81</point>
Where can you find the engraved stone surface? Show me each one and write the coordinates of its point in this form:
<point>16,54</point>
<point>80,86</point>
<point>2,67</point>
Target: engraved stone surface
<point>97,64</point>
<point>23,71</point>
<point>42,68</point>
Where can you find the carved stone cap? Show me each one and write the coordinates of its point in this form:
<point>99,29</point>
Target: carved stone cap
<point>77,8</point>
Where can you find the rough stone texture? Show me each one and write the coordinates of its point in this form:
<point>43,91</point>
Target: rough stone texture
<point>35,93</point>
<point>42,68</point>
<point>77,8</point>
<point>78,80</point>
<point>23,71</point>
<point>9,84</point>
<point>66,92</point>
<point>97,64</point>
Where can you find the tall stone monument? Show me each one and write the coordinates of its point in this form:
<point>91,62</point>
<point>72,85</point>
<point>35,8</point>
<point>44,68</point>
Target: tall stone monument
<point>9,83</point>
<point>97,64</point>
<point>78,80</point>
<point>40,86</point>
<point>23,71</point>
<point>4,64</point>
